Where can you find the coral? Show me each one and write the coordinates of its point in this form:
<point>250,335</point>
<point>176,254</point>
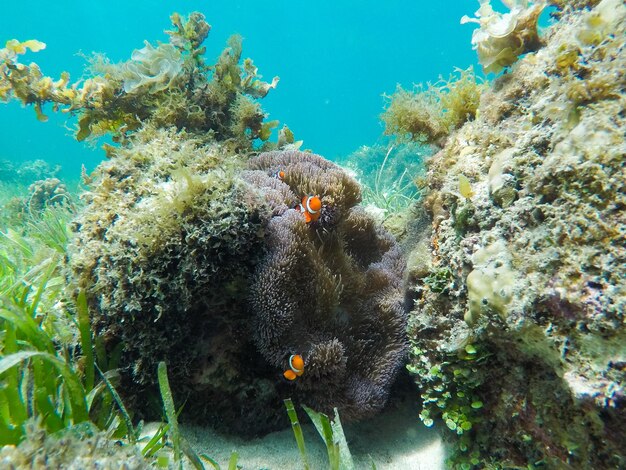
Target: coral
<point>169,85</point>
<point>20,200</point>
<point>77,448</point>
<point>333,294</point>
<point>518,324</point>
<point>429,115</point>
<point>490,283</point>
<point>502,38</point>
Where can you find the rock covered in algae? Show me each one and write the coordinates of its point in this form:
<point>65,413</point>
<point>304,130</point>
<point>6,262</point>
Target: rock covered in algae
<point>518,328</point>
<point>187,253</point>
<point>79,448</point>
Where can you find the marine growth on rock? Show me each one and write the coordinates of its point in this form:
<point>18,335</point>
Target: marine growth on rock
<point>518,325</point>
<point>332,292</point>
<point>197,257</point>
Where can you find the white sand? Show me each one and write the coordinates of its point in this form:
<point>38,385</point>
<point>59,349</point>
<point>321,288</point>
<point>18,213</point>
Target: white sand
<point>395,440</point>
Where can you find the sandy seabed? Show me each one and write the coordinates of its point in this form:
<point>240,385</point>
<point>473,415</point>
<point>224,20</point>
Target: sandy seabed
<point>394,440</point>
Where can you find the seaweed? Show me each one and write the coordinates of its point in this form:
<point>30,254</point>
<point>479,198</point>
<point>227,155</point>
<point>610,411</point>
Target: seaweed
<point>331,432</point>
<point>428,115</point>
<point>169,85</point>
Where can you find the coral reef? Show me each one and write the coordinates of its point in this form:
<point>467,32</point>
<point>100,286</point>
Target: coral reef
<point>169,85</point>
<point>518,284</point>
<point>502,38</point>
<point>429,115</point>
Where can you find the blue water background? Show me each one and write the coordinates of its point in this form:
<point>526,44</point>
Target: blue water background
<point>335,59</point>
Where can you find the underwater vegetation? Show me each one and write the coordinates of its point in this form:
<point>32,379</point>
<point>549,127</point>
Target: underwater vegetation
<point>190,251</point>
<point>169,85</point>
<point>330,431</point>
<point>42,386</point>
<point>518,266</point>
<point>429,115</point>
<point>388,177</point>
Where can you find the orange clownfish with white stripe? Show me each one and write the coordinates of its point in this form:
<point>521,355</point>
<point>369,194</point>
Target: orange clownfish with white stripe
<point>311,208</point>
<point>296,367</point>
<point>279,175</point>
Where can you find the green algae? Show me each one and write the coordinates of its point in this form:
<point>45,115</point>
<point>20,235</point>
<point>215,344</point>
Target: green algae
<point>428,114</point>
<point>170,85</point>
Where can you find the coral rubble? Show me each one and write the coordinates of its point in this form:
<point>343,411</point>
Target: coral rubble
<point>518,327</point>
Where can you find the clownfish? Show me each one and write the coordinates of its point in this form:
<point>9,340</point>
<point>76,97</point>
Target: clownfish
<point>280,174</point>
<point>311,208</point>
<point>296,367</point>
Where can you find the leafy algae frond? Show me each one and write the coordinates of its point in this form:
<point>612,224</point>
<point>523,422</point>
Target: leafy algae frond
<point>169,85</point>
<point>502,38</point>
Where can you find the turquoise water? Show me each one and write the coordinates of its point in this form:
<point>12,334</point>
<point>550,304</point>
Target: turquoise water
<point>335,60</point>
